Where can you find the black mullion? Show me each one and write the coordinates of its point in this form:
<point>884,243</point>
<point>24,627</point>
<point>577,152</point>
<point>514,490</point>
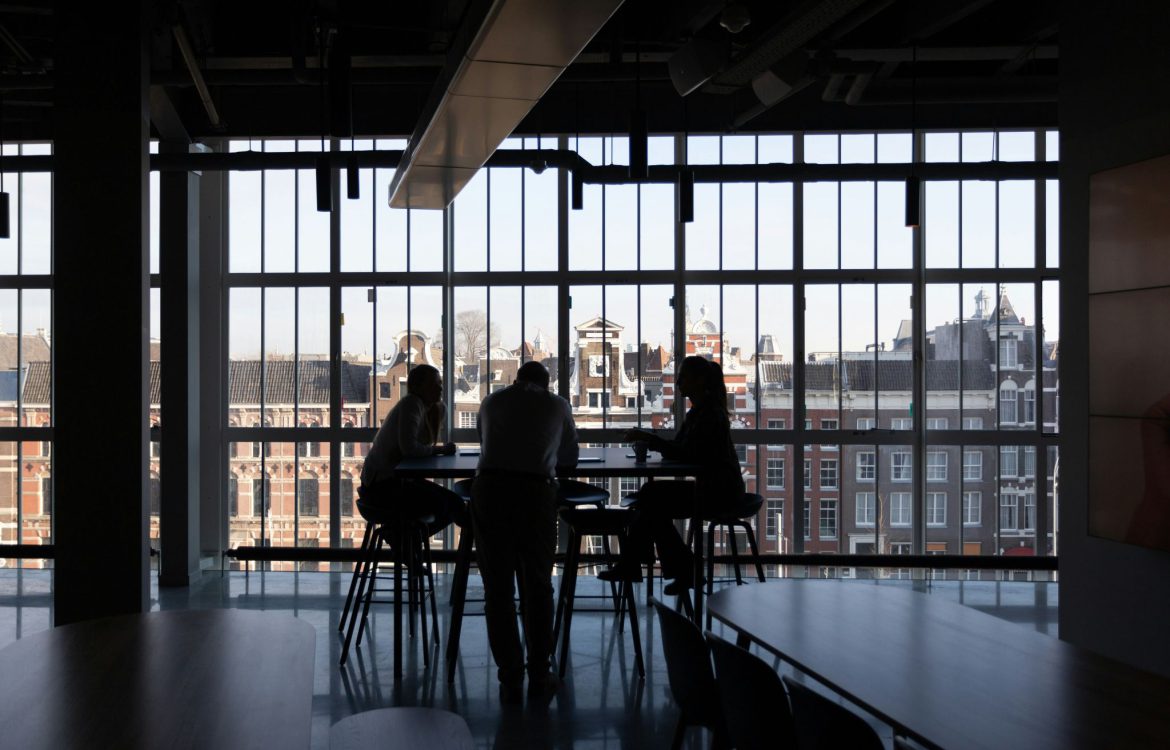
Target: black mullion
<point>264,499</point>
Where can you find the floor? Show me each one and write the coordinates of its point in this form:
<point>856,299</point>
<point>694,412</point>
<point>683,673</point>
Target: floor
<point>602,704</point>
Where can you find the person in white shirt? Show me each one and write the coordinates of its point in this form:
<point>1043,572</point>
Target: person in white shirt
<point>411,430</point>
<point>526,433</point>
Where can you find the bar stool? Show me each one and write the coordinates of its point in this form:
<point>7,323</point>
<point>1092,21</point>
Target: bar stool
<point>406,535</point>
<point>594,522</point>
<point>736,518</point>
<point>571,493</point>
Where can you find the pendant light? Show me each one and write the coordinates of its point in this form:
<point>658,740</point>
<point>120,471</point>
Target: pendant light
<point>639,145</point>
<point>324,178</point>
<point>913,183</point>
<point>577,195</point>
<point>5,224</point>
<point>684,187</point>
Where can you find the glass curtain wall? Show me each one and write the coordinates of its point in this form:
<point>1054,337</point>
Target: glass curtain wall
<point>26,333</point>
<point>810,291</point>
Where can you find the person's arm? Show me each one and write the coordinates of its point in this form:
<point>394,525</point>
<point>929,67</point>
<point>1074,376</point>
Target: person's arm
<point>568,452</point>
<point>413,431</point>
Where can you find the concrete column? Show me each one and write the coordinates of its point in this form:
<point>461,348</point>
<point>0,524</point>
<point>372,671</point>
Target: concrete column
<point>179,372</point>
<point>100,309</point>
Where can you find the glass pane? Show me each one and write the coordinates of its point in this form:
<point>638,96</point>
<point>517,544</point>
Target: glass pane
<point>774,149</point>
<point>36,324</point>
<point>426,240</point>
<point>941,224</point>
<point>703,149</point>
<point>657,226</point>
<point>894,375</point>
<point>1017,224</point>
<point>541,204</point>
<point>313,499</point>
<point>244,201</point>
<point>702,234</point>
<point>739,226</point>
<point>941,146</point>
<point>1049,403</point>
<point>279,349</point>
<point>775,225</point>
<point>860,353</point>
<point>978,356</point>
<point>774,358</point>
<point>946,338</point>
<point>389,223</point>
<point>357,346</point>
<point>390,327</point>
<point>1017,145</point>
<point>10,501</point>
<point>821,149</point>
<point>857,148</point>
<point>821,336</point>
<point>894,240</point>
<point>505,196</point>
<point>1052,223</point>
<point>740,332</point>
<point>36,220</point>
<point>621,227</point>
<point>1016,357</point>
<point>585,224</point>
<point>977,509</point>
<point>357,221</point>
<point>244,356</point>
<point>978,221</point>
<point>37,497</point>
<point>858,217</point>
<point>821,224</point>
<point>739,149</point>
<point>353,527</point>
<point>941,511</point>
<point>312,225</point>
<point>10,247</point>
<point>280,203</point>
<point>471,343</point>
<point>313,357</point>
<point>894,148</point>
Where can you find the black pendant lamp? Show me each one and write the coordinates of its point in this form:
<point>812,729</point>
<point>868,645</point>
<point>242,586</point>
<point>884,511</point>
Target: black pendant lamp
<point>639,140</point>
<point>324,177</point>
<point>913,182</point>
<point>5,224</point>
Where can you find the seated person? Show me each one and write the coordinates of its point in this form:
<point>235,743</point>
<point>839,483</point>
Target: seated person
<point>411,430</point>
<point>705,438</point>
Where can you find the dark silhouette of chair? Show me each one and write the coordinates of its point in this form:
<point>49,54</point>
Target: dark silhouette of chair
<point>591,521</point>
<point>406,533</point>
<point>692,682</point>
<point>755,704</point>
<point>824,724</point>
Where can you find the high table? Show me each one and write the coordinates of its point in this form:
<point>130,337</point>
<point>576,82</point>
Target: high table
<point>219,678</point>
<point>594,462</point>
<point>947,675</point>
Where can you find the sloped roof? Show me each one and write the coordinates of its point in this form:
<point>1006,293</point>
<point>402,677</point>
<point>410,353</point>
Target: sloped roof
<point>33,349</point>
<point>890,375</point>
<point>280,376</point>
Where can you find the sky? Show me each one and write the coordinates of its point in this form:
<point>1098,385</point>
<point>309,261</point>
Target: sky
<point>741,226</point>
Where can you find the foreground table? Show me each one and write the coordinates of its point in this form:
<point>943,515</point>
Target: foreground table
<point>948,675</point>
<point>182,679</point>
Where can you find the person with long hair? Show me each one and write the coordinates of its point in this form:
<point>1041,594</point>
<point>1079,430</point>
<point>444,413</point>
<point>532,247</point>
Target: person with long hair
<point>705,439</point>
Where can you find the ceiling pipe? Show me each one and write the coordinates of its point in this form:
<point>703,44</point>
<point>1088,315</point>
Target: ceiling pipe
<point>193,67</point>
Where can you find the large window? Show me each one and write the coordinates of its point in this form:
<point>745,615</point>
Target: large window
<point>26,372</point>
<point>612,295</point>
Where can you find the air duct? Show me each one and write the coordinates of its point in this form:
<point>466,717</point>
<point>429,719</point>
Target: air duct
<point>489,84</point>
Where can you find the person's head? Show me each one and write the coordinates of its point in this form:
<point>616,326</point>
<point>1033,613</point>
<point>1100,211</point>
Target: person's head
<point>533,372</point>
<point>701,380</point>
<point>425,382</point>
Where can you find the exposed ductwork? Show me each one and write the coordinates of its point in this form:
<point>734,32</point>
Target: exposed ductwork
<point>493,78</point>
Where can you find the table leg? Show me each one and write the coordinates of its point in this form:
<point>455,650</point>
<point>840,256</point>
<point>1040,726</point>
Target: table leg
<point>399,558</point>
<point>697,527</point>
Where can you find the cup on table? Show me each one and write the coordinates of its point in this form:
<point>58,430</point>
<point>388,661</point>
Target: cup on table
<point>641,447</point>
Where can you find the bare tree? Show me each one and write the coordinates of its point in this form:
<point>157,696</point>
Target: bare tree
<point>471,334</point>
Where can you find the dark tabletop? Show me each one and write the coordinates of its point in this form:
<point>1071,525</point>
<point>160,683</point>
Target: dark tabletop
<point>949,675</point>
<point>615,462</point>
<point>217,678</point>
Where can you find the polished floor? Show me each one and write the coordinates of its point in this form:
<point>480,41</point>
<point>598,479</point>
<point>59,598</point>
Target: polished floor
<point>602,705</point>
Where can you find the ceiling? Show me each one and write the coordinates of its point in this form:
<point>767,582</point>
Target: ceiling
<point>818,64</point>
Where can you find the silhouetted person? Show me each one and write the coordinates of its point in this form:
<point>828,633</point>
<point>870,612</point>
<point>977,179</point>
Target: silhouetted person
<point>526,433</point>
<point>705,438</point>
<point>411,430</point>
